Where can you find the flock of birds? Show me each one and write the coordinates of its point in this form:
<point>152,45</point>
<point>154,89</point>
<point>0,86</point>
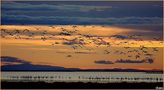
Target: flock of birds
<point>81,41</point>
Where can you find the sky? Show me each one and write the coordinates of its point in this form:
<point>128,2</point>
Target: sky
<point>84,12</point>
<point>81,35</point>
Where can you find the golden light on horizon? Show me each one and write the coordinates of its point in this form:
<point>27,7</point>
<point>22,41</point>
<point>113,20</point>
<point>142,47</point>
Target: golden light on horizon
<point>79,46</point>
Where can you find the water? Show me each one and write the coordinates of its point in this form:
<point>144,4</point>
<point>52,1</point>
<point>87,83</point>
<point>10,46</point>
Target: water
<point>99,77</point>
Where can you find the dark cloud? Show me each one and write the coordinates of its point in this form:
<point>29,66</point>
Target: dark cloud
<point>145,27</point>
<point>103,62</point>
<point>81,13</point>
<point>74,41</point>
<point>126,61</point>
<point>24,19</point>
<point>145,30</point>
<point>28,66</point>
<point>150,61</point>
<point>49,7</point>
<point>69,43</point>
<point>119,37</point>
<point>84,52</point>
<point>13,60</point>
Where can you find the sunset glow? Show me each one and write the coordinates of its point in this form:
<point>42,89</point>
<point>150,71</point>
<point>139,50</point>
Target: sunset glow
<point>52,51</point>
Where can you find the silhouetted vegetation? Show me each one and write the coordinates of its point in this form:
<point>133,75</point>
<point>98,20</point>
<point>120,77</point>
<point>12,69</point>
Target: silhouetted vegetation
<point>78,85</point>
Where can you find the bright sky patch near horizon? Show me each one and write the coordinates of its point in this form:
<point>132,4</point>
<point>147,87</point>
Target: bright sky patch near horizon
<point>81,46</point>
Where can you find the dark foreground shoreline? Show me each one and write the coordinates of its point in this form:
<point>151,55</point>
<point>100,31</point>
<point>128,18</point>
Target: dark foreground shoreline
<point>78,85</point>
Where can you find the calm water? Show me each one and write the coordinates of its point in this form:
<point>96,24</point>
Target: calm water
<point>101,77</point>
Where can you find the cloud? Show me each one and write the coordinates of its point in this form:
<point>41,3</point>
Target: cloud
<point>74,41</point>
<point>13,60</point>
<point>27,66</point>
<point>24,19</point>
<point>103,62</point>
<point>126,61</point>
<point>119,37</point>
<point>40,7</point>
<point>150,61</point>
<point>80,52</point>
<point>148,30</point>
<point>83,13</point>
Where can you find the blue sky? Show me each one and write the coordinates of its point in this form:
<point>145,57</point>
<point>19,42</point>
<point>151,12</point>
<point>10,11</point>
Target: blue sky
<point>51,12</point>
